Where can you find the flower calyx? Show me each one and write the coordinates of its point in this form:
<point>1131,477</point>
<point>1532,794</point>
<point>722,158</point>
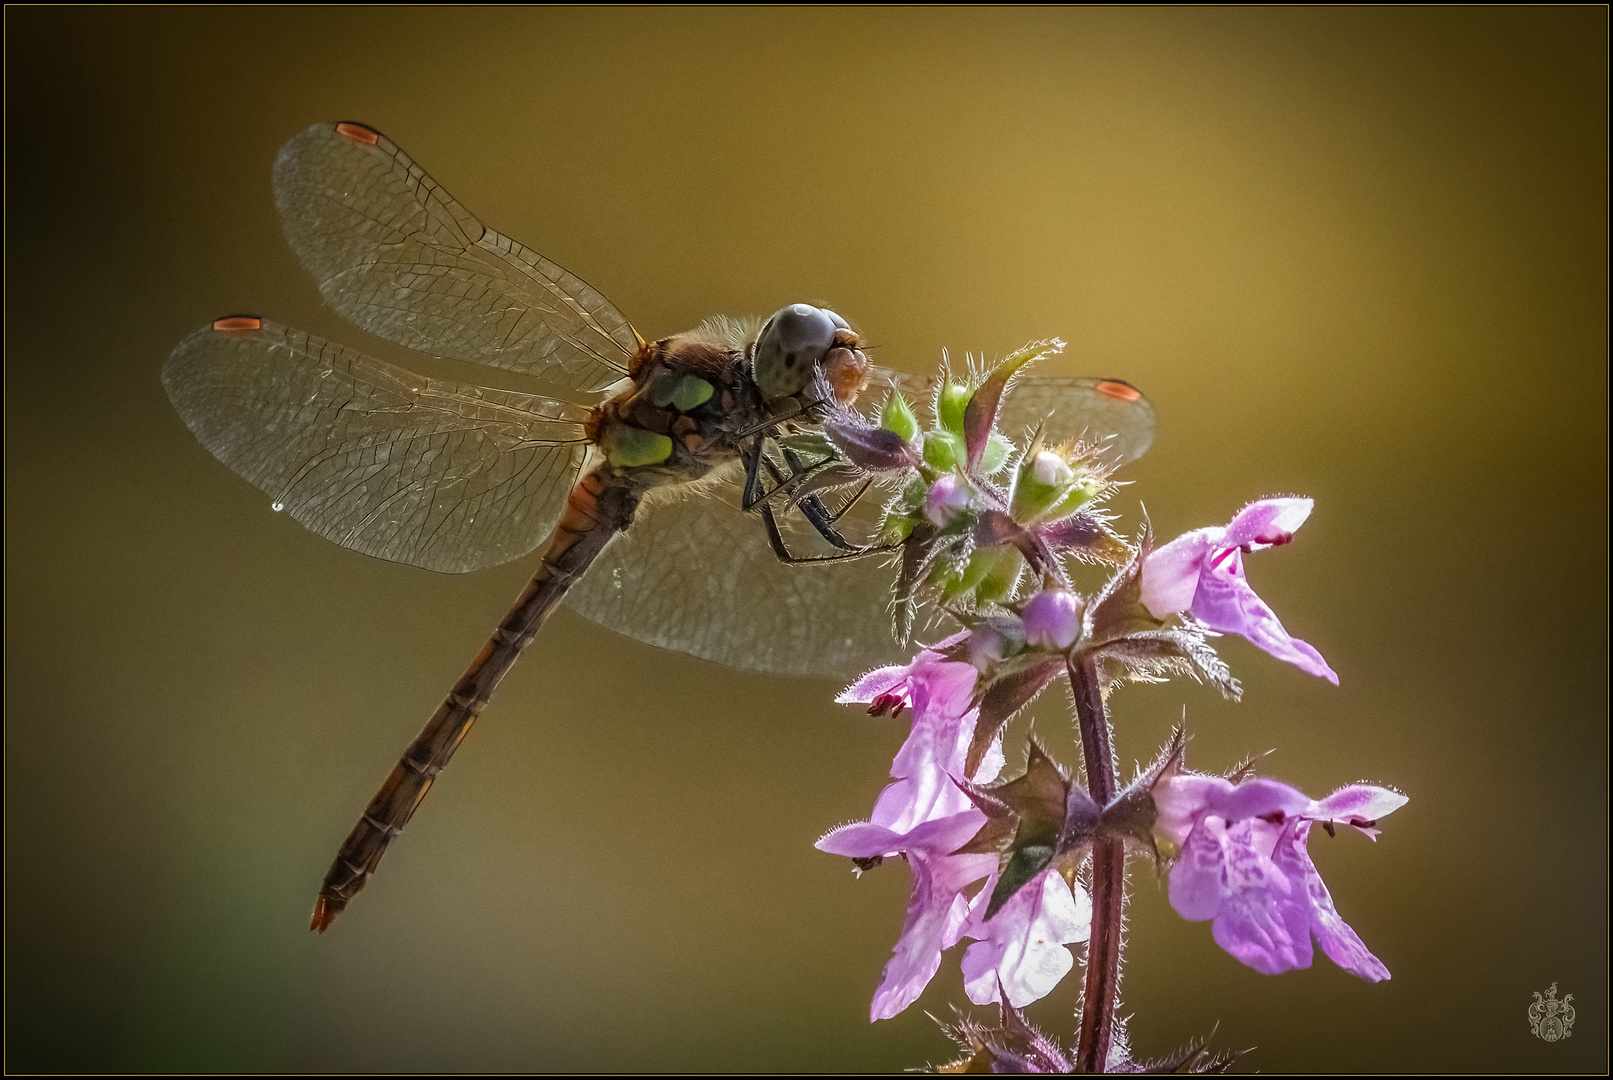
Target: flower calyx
<point>1041,819</point>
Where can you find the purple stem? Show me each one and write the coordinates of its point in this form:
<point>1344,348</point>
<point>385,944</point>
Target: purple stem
<point>1108,876</point>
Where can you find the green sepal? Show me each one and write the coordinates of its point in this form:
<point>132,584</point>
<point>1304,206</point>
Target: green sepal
<point>1034,500</point>
<point>1023,865</point>
<point>956,584</point>
<point>949,406</point>
<point>896,528</point>
<point>897,416</point>
<point>998,450</point>
<point>913,495</point>
<point>1035,803</point>
<point>1083,491</point>
<point>1002,574</point>
<point>943,449</point>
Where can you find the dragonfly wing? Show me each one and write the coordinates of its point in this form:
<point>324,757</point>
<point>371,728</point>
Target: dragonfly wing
<point>696,574</point>
<point>423,471</point>
<point>1068,406</point>
<point>396,255</point>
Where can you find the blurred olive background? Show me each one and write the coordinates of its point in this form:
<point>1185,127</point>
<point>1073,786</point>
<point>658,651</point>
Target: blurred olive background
<point>1356,254</point>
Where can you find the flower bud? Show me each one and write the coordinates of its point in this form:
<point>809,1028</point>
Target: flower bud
<point>898,416</point>
<point>986,648</point>
<point>1050,470</point>
<point>1049,488</point>
<point>943,449</point>
<point>1052,619</point>
<point>949,496</point>
<point>949,406</point>
<point>996,456</point>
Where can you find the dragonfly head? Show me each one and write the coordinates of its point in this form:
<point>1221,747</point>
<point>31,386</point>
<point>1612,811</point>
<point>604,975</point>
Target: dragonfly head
<point>799,341</point>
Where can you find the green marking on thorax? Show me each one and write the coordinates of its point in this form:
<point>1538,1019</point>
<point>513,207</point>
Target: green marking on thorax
<point>626,446</point>
<point>691,392</point>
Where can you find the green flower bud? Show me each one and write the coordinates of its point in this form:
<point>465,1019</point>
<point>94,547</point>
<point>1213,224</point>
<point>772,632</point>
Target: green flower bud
<point>897,416</point>
<point>943,449</point>
<point>949,407</point>
<point>996,456</point>
<point>1048,487</point>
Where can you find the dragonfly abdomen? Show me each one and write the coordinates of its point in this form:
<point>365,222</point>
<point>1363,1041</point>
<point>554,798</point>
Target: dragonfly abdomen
<point>601,505</point>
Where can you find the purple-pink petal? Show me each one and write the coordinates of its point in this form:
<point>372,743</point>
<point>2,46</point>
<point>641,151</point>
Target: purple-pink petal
<point>1022,948</point>
<point>1357,805</point>
<point>874,684</point>
<point>1180,799</point>
<point>1337,939</point>
<point>1199,879</point>
<point>1202,572</point>
<point>860,840</point>
<point>940,694</point>
<point>1267,523</point>
<point>1256,880</point>
<point>1258,796</point>
<point>1171,574</point>
<point>1183,799</point>
<point>936,911</point>
<point>1225,602</point>
<point>1258,912</point>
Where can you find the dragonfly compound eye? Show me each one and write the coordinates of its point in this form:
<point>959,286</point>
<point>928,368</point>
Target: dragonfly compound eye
<point>794,341</point>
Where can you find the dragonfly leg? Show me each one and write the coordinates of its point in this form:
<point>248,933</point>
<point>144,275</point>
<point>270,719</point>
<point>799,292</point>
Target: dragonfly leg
<point>855,498</point>
<point>812,506</point>
<point>783,484</point>
<point>817,516</point>
<point>781,550</point>
<point>753,458</point>
<point>800,410</point>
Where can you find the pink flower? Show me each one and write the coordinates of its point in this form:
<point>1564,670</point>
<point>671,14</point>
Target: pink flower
<point>939,692</point>
<point>925,817</point>
<point>1201,572</point>
<point>1244,863</point>
<point>936,907</point>
<point>949,497</point>
<point>1022,948</point>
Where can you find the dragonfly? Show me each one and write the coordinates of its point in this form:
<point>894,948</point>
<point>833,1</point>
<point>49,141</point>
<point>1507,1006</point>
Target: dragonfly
<point>647,478</point>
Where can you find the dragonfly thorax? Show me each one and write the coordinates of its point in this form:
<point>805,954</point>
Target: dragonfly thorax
<point>675,423</point>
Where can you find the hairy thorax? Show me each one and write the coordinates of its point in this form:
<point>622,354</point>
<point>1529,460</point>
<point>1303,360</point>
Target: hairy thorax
<point>690,395</point>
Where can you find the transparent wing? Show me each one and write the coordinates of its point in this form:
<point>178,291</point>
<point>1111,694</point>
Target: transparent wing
<point>396,255</point>
<point>697,575</point>
<point>1070,407</point>
<point>422,471</point>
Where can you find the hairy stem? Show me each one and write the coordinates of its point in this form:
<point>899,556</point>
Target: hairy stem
<point>1108,876</point>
